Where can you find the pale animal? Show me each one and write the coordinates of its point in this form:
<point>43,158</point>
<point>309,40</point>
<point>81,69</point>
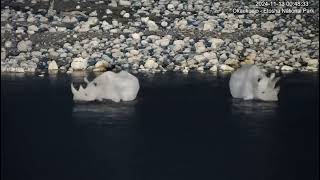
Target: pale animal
<point>249,82</point>
<point>117,87</point>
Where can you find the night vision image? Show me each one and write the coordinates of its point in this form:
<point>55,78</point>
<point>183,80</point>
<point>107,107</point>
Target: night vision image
<point>159,90</point>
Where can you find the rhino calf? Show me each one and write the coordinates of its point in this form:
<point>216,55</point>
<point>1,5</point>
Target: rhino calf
<point>249,82</point>
<point>108,86</point>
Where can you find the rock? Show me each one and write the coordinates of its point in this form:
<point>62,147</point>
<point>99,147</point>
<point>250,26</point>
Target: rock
<point>312,62</point>
<point>79,64</point>
<point>170,6</point>
<point>8,44</point>
<point>296,64</point>
<point>32,29</point>
<point>209,25</point>
<point>178,45</point>
<point>93,13</point>
<point>224,67</point>
<point>309,68</point>
<point>134,52</point>
<point>36,53</point>
<point>214,68</point>
<point>269,26</point>
<point>200,47</point>
<point>271,17</point>
<point>53,66</point>
<point>182,24</point>
<point>216,43</point>
<point>124,3</point>
<point>3,55</point>
<point>150,64</point>
<point>126,15</point>
<point>100,66</point>
<point>113,4</point>
<point>53,54</point>
<point>19,70</point>
<point>164,24</point>
<point>152,26</point>
<point>165,41</point>
<point>210,55</point>
<point>298,17</point>
<point>185,70</point>
<point>251,57</point>
<point>108,11</point>
<point>136,36</point>
<point>200,69</point>
<point>223,57</point>
<point>24,46</point>
<point>199,58</point>
<point>287,68</point>
<point>247,61</point>
<point>232,62</point>
<point>68,19</point>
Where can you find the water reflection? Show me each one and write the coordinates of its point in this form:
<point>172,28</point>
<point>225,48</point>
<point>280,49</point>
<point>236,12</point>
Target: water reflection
<point>254,116</point>
<point>109,131</point>
<point>105,113</point>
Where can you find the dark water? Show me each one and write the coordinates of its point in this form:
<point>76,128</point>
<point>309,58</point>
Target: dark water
<point>180,127</point>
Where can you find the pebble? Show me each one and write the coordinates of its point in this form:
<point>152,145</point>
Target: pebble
<point>214,68</point>
<point>152,26</point>
<point>8,44</point>
<point>224,67</point>
<point>126,15</point>
<point>53,66</point>
<point>24,46</point>
<point>200,47</point>
<point>287,43</point>
<point>150,64</point>
<point>287,68</point>
<point>79,64</point>
<point>124,3</point>
<point>164,24</point>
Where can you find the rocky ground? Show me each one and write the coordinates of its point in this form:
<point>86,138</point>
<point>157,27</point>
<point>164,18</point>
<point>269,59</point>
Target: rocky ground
<point>155,35</point>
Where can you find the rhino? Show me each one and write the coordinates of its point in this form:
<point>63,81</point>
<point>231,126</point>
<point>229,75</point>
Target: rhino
<point>117,87</point>
<point>249,82</point>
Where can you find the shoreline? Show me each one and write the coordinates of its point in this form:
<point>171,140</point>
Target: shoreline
<point>154,36</point>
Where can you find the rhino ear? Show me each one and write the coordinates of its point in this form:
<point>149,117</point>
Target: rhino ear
<point>273,82</point>
<point>86,80</point>
<point>272,76</point>
<point>74,91</point>
<point>276,80</point>
<point>81,89</point>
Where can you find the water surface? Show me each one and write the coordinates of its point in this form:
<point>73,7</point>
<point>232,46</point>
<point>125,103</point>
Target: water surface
<point>179,127</point>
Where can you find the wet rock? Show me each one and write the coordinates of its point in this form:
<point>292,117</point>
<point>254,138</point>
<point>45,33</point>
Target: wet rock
<point>79,64</point>
<point>52,66</point>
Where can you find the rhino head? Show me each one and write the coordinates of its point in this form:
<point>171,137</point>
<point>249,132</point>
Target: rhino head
<point>266,89</point>
<point>84,94</point>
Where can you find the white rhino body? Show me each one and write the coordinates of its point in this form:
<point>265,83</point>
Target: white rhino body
<point>249,82</point>
<point>109,85</point>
